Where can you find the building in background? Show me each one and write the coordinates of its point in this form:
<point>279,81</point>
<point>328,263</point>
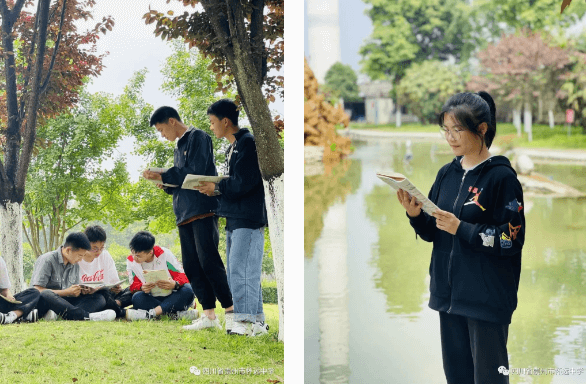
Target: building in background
<point>378,104</point>
<point>324,36</point>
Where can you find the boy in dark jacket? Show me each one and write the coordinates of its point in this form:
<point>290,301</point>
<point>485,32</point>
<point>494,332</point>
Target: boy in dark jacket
<point>195,213</point>
<point>241,201</point>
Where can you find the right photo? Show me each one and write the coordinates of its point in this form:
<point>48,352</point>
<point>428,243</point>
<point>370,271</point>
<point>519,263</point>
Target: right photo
<point>445,191</point>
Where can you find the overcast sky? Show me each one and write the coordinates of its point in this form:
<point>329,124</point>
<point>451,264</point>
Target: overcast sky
<point>132,45</point>
<point>355,27</point>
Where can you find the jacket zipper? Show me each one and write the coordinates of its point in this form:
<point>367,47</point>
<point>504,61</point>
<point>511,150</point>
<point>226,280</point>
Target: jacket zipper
<point>453,240</point>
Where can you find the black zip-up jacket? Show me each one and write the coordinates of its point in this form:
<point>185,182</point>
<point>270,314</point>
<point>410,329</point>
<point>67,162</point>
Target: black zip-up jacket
<point>476,272</point>
<point>242,194</point>
<point>194,154</point>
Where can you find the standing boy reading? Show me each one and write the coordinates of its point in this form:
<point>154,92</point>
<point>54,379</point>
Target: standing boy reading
<point>146,302</point>
<point>56,276</point>
<point>195,213</point>
<point>242,202</point>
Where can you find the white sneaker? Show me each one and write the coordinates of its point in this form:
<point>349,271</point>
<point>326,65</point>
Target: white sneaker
<point>203,322</point>
<point>107,315</point>
<point>32,316</point>
<point>187,314</point>
<point>229,322</point>
<point>136,314</point>
<point>50,315</point>
<point>241,328</point>
<point>259,328</point>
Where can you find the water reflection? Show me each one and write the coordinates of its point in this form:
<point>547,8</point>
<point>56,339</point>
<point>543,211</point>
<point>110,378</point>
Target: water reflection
<point>332,251</point>
<point>321,191</point>
<point>376,267</point>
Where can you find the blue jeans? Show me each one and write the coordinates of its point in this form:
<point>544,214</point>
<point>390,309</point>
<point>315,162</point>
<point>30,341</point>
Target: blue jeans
<point>244,251</point>
<point>177,301</point>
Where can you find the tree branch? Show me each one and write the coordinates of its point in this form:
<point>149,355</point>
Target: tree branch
<point>17,8</point>
<point>29,64</point>
<point>33,105</point>
<point>55,49</point>
<point>257,39</point>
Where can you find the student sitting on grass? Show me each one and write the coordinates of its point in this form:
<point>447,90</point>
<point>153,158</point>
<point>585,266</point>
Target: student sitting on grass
<point>98,265</point>
<point>56,276</point>
<point>146,256</point>
<point>10,312</point>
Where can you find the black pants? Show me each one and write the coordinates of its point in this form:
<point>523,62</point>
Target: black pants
<point>202,263</point>
<point>473,350</point>
<point>124,296</point>
<point>70,308</point>
<point>29,298</point>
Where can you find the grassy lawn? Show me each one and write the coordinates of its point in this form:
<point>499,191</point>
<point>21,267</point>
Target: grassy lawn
<point>543,136</point>
<point>136,352</point>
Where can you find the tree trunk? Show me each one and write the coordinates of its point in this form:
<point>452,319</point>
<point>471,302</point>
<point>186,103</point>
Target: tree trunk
<point>11,243</point>
<point>274,199</point>
<point>551,121</point>
<point>517,120</point>
<point>246,67</point>
<point>398,116</point>
<point>528,120</point>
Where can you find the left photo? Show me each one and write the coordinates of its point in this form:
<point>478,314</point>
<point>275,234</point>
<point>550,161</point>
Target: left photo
<point>142,191</point>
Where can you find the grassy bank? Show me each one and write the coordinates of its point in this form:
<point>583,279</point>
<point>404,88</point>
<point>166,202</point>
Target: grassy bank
<point>543,136</point>
<point>136,352</point>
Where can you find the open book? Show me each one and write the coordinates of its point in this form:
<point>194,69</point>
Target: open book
<point>194,181</point>
<point>154,276</point>
<point>159,170</point>
<point>11,301</point>
<point>398,181</point>
<point>190,182</point>
<point>99,284</point>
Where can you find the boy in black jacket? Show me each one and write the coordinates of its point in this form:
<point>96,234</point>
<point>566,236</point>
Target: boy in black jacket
<point>242,202</point>
<point>195,213</point>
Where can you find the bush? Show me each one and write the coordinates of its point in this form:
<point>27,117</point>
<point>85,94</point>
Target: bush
<point>269,292</point>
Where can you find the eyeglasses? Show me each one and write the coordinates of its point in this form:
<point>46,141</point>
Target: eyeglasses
<point>454,133</point>
<point>96,250</point>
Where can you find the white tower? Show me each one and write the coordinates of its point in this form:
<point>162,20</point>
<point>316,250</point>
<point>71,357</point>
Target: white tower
<point>324,36</point>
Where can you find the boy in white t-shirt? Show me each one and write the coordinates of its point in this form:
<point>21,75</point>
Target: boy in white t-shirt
<point>10,312</point>
<point>98,265</point>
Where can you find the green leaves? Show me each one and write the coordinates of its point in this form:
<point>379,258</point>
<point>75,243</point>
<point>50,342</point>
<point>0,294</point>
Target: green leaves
<point>341,80</point>
<point>407,32</point>
<point>427,86</point>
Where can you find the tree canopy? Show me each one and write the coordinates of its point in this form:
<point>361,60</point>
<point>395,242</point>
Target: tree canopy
<point>342,81</point>
<point>407,32</point>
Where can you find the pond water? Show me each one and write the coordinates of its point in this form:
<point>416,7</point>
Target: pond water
<point>367,281</point>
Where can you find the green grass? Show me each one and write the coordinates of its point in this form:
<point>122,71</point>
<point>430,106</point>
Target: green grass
<point>543,136</point>
<point>135,352</point>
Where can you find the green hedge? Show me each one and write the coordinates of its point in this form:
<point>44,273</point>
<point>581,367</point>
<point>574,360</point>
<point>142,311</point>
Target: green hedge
<point>269,292</point>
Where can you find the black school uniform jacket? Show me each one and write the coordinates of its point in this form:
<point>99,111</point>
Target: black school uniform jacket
<point>194,154</point>
<point>242,194</point>
<point>475,273</point>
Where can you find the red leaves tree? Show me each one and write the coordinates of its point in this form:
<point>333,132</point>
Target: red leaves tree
<point>244,39</point>
<point>521,69</point>
<point>45,62</point>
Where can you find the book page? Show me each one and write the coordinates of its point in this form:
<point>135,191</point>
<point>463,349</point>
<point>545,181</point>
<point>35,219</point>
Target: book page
<point>398,181</point>
<point>194,181</point>
<point>154,276</point>
<point>11,301</point>
<point>99,284</point>
<point>158,170</point>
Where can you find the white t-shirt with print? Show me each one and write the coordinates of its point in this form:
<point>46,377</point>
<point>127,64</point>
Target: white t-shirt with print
<point>101,269</point>
<point>4,280</point>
